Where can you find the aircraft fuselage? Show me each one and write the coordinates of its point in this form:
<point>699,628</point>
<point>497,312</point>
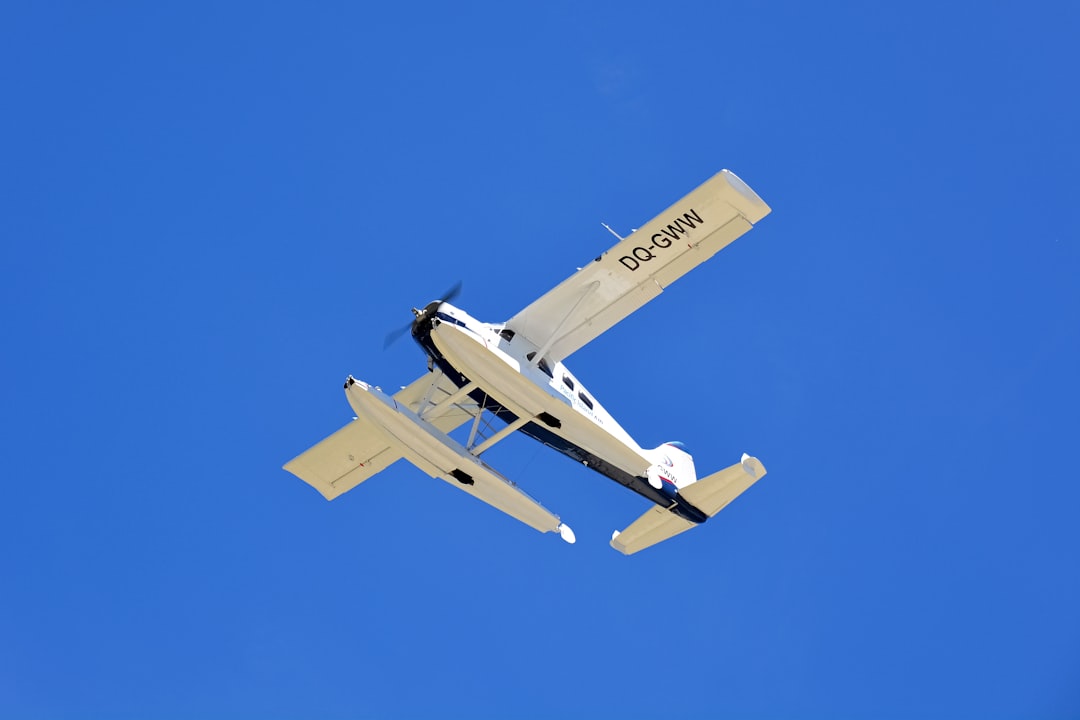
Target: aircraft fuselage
<point>520,386</point>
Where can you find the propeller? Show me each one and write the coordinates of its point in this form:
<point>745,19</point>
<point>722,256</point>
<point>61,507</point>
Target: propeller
<point>394,335</point>
<point>451,293</point>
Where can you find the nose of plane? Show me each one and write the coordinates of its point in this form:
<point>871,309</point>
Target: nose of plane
<point>350,381</point>
<point>425,316</point>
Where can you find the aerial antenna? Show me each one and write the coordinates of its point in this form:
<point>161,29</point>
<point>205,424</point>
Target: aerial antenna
<point>608,227</point>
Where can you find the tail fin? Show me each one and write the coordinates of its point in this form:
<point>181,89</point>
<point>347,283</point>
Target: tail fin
<point>710,495</point>
<point>672,468</point>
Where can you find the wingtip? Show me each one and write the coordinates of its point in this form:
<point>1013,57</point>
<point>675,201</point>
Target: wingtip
<point>757,208</point>
<point>752,466</point>
<point>616,545</point>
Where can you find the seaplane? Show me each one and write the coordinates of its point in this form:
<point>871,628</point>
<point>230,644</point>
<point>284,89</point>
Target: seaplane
<point>486,381</point>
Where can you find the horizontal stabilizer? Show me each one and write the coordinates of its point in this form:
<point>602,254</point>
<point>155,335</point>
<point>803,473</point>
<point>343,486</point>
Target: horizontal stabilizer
<point>656,525</point>
<point>710,495</point>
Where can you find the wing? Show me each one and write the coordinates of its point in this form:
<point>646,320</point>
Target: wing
<point>639,268</point>
<point>359,450</point>
<point>342,461</point>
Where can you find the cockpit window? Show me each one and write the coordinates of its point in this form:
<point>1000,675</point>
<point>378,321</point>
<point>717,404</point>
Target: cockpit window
<point>506,334</point>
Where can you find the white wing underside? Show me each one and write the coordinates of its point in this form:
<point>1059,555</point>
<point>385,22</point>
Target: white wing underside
<point>639,267</point>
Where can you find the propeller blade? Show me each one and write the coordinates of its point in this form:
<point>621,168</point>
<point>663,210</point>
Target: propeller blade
<point>394,335</point>
<point>451,293</point>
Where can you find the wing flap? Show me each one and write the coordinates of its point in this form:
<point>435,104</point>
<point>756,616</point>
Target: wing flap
<point>713,244</point>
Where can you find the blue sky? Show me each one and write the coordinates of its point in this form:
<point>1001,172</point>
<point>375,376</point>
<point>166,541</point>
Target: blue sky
<point>212,215</point>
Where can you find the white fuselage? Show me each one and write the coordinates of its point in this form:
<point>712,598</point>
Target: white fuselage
<point>508,375</point>
<point>531,386</point>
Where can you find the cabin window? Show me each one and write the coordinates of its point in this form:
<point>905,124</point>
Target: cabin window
<point>585,399</point>
<point>506,334</point>
<point>544,367</point>
<point>568,382</point>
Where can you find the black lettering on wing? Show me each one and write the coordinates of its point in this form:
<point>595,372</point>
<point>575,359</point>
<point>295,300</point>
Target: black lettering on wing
<point>692,214</point>
<point>683,225</point>
<point>662,240</point>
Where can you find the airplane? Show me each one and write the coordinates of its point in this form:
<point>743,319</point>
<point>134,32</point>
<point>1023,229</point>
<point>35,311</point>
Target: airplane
<point>510,377</point>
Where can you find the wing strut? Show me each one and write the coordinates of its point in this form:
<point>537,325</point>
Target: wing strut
<point>476,423</point>
<point>444,406</point>
<point>480,442</point>
<point>426,400</point>
<point>589,290</point>
<point>516,425</point>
